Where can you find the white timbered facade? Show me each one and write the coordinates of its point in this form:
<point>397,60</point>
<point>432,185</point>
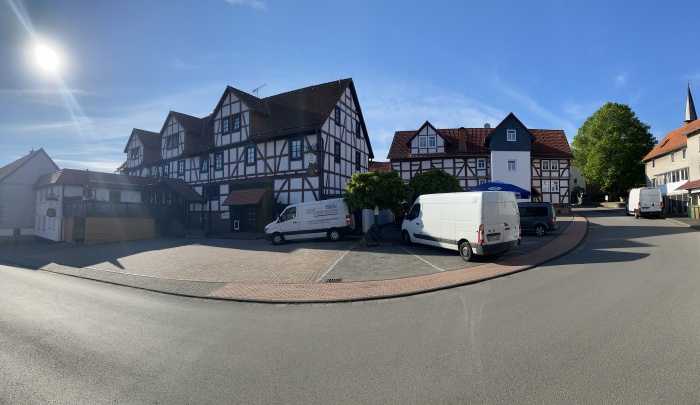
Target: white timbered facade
<point>534,159</point>
<point>304,144</point>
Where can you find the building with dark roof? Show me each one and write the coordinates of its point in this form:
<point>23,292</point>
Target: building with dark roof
<point>534,159</point>
<point>17,215</point>
<point>304,144</point>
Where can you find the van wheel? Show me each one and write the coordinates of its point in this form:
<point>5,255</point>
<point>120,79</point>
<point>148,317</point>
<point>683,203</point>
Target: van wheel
<point>405,237</point>
<point>277,238</point>
<point>540,230</point>
<point>334,235</point>
<point>636,214</point>
<point>465,250</point>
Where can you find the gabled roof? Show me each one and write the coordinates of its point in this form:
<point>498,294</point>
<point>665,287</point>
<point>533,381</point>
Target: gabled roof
<point>381,167</point>
<point>150,140</point>
<point>487,141</point>
<point>546,143</point>
<point>691,185</point>
<point>14,166</point>
<point>673,141</point>
<point>437,131</point>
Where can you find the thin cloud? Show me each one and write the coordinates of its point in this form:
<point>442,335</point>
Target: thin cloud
<point>621,79</point>
<point>256,4</point>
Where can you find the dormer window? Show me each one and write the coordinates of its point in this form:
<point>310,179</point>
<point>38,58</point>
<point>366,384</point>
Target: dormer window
<point>171,142</point>
<point>134,153</point>
<point>511,135</point>
<point>422,141</point>
<point>236,118</point>
<point>432,141</point>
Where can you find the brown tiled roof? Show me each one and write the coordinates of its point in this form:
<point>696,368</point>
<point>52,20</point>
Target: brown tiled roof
<point>547,142</point>
<point>149,140</point>
<point>12,167</point>
<point>674,140</point>
<point>690,185</point>
<point>244,197</point>
<point>382,167</point>
<point>181,187</point>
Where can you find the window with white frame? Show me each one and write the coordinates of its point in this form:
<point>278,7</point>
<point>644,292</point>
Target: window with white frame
<point>545,186</point>
<point>236,118</point>
<point>250,155</point>
<point>481,163</point>
<point>205,164</point>
<point>432,141</point>
<point>511,135</point>
<point>555,186</point>
<point>225,125</point>
<point>511,165</point>
<point>683,154</point>
<point>295,149</point>
<point>545,165</point>
<point>555,165</point>
<point>181,167</point>
<point>337,115</point>
<point>422,141</point>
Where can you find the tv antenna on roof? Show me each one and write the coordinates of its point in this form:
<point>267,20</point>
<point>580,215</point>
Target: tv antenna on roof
<point>256,91</point>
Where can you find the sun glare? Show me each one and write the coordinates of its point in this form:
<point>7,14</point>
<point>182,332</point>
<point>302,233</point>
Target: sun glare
<point>47,58</point>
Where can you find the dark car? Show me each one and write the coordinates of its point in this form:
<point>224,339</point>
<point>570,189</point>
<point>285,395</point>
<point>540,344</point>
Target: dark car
<point>537,217</point>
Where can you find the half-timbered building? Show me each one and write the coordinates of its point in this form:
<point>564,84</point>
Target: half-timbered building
<point>303,144</point>
<point>534,159</point>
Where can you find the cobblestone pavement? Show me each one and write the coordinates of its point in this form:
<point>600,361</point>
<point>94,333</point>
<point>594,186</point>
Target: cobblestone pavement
<point>256,270</point>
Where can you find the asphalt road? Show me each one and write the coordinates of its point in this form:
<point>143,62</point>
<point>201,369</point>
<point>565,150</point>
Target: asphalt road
<point>615,321</point>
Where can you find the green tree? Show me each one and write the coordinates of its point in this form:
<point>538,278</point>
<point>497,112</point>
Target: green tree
<point>269,208</point>
<point>433,181</point>
<point>375,190</point>
<point>609,148</point>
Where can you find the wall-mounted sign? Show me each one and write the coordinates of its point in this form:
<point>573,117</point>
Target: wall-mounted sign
<point>51,212</point>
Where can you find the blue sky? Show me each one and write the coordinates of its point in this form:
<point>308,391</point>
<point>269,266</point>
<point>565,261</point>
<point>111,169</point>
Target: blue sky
<point>126,64</point>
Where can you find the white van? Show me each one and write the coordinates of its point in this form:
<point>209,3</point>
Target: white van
<point>476,222</point>
<point>645,202</point>
<point>315,219</point>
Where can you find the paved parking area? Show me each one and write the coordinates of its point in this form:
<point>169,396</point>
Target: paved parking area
<point>297,271</point>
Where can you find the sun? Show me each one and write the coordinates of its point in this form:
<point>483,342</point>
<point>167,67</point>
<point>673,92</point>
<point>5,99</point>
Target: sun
<point>47,58</point>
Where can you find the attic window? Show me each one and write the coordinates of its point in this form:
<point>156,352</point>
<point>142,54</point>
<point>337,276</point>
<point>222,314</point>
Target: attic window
<point>236,118</point>
<point>511,135</point>
<point>337,115</point>
<point>225,125</point>
<point>134,153</point>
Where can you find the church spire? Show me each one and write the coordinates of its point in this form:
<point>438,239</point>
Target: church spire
<point>690,114</point>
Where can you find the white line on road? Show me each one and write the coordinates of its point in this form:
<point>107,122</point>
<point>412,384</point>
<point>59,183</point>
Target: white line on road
<point>420,258</point>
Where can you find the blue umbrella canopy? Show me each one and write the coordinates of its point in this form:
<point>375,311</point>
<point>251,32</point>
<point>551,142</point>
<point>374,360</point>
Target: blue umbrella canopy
<point>501,186</point>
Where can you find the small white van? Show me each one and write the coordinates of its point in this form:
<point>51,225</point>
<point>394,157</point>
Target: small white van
<point>645,202</point>
<point>476,222</point>
<point>315,219</point>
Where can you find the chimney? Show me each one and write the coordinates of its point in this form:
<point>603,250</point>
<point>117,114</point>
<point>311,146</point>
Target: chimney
<point>462,139</point>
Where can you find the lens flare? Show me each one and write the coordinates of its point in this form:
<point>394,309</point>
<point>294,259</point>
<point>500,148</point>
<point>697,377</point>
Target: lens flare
<point>47,58</point>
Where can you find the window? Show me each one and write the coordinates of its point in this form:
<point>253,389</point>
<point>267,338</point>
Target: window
<point>214,192</point>
<point>337,115</point>
<point>481,163</point>
<point>205,164</point>
<point>134,153</point>
<point>236,122</point>
<point>358,132</point>
<point>422,141</point>
<point>545,186</point>
<point>555,186</point>
<point>250,155</point>
<point>482,181</point>
<point>219,161</point>
<point>358,163</point>
<point>225,125</point>
<point>288,214</point>
<point>653,163</point>
<point>653,182</point>
<point>432,141</point>
<point>166,170</point>
<point>336,152</point>
<point>511,165</point>
<point>545,165</point>
<point>115,196</point>
<point>555,165</point>
<point>295,149</point>
<point>575,181</point>
<point>511,135</point>
<point>673,157</point>
<point>160,172</point>
<point>683,154</point>
<point>171,142</point>
<point>181,168</point>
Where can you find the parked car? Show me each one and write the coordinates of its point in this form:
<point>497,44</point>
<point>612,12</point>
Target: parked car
<point>537,217</point>
<point>315,219</point>
<point>644,202</point>
<point>473,223</point>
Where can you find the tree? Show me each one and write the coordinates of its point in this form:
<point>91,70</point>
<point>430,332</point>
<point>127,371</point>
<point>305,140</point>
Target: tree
<point>269,207</point>
<point>433,181</point>
<point>609,148</point>
<point>375,190</point>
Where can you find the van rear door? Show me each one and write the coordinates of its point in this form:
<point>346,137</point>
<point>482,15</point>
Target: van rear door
<point>493,223</point>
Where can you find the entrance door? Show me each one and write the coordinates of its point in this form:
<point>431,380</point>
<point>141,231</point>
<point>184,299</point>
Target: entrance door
<point>250,219</point>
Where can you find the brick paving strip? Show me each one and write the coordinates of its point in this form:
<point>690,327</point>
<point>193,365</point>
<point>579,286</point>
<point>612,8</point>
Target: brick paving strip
<point>363,290</point>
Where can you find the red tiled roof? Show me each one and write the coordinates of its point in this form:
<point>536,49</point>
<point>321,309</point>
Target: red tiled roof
<point>547,142</point>
<point>244,197</point>
<point>382,167</point>
<point>674,140</point>
<point>690,185</point>
<point>10,168</point>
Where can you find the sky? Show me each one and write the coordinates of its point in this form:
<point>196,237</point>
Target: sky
<point>125,64</point>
